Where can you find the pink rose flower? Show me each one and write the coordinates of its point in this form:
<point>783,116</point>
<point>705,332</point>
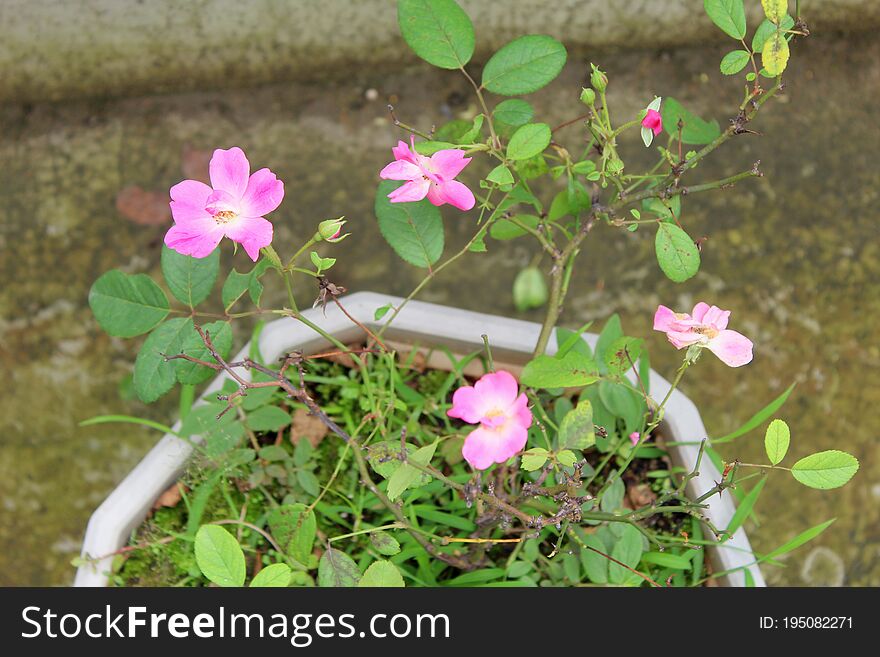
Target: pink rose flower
<point>233,206</point>
<point>652,124</point>
<point>428,176</point>
<point>503,414</point>
<point>706,327</point>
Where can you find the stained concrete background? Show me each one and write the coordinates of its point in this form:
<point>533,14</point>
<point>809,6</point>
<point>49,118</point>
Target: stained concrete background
<point>795,255</point>
<point>51,50</point>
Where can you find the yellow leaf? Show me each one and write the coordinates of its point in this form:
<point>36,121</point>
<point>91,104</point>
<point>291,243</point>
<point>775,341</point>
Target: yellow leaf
<point>775,10</point>
<point>775,54</point>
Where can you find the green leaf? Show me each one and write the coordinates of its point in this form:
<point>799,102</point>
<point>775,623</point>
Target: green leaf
<point>529,289</point>
<point>295,528</point>
<point>571,341</point>
<point>414,230</point>
<point>512,113</point>
<point>453,131</point>
<point>622,354</point>
<point>384,543</point>
<point>677,254</point>
<point>534,458</point>
<point>623,403</point>
<point>438,31</point>
<point>776,441</point>
<point>476,577</point>
<point>524,65</point>
<point>775,53</point>
<point>695,130</point>
<point>570,371</point>
<point>729,15</point>
<point>611,332</point>
<point>745,508</point>
<point>576,428</point>
<point>766,29</point>
<point>529,140</point>
<point>381,574</point>
<point>381,311</point>
<point>384,458</point>
<point>190,279</point>
<point>505,229</point>
<point>406,476</point>
<point>825,470</point>
<point>797,541</point>
<point>126,306</point>
<point>153,375</point>
<point>595,564</point>
<point>219,556</point>
<point>431,147</point>
<point>267,418</point>
<point>667,560</point>
<point>627,550</point>
<point>567,458</point>
<point>775,10</point>
<point>500,175</point>
<point>337,569</point>
<point>734,61</point>
<point>277,575</point>
<point>192,345</point>
<point>757,419</point>
<point>309,482</point>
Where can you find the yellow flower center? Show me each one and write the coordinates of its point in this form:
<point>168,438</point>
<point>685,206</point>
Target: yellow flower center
<point>224,216</point>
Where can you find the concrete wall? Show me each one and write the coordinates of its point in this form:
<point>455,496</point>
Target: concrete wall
<point>57,49</point>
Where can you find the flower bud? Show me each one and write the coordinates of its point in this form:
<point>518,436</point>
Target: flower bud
<point>331,230</point>
<point>588,97</point>
<point>598,79</point>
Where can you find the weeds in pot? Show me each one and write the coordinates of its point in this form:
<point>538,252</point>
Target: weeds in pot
<point>361,465</point>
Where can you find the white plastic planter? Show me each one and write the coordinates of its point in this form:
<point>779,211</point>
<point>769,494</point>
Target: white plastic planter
<point>418,324</point>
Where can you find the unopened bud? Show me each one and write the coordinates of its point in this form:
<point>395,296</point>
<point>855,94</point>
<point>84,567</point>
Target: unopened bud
<point>598,79</point>
<point>331,230</point>
<point>588,97</point>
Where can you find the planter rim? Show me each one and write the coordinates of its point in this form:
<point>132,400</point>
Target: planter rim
<point>420,322</point>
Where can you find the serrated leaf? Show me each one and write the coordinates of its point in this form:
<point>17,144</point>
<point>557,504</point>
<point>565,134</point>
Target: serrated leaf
<point>677,254</point>
<point>775,53</point>
<point>294,527</point>
<point>695,130</point>
<point>734,61</point>
<point>278,575</point>
<point>219,556</point>
<point>775,10</point>
<point>766,29</point>
<point>729,15</point>
<point>414,230</point>
<point>438,31</point>
<point>524,65</point>
<point>190,279</point>
<point>776,441</point>
<point>529,140</point>
<point>127,305</point>
<point>406,476</point>
<point>500,175</point>
<point>336,569</point>
<point>512,113</point>
<point>381,574</point>
<point>188,372</point>
<point>567,458</point>
<point>572,370</point>
<point>825,470</point>
<point>576,428</point>
<point>534,458</point>
<point>506,229</point>
<point>153,375</point>
<point>384,543</point>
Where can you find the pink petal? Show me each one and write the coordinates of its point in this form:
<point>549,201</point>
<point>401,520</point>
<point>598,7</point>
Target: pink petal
<point>520,412</point>
<point>401,170</point>
<point>452,192</point>
<point>229,170</point>
<point>654,121</point>
<point>497,390</point>
<point>682,339</point>
<point>467,405</point>
<point>188,199</point>
<point>716,318</point>
<point>663,319</point>
<point>253,233</point>
<point>402,152</point>
<point>700,311</point>
<point>197,238</point>
<point>483,447</point>
<point>449,163</point>
<point>263,194</point>
<point>221,201</point>
<point>634,438</point>
<point>733,348</point>
<point>415,190</point>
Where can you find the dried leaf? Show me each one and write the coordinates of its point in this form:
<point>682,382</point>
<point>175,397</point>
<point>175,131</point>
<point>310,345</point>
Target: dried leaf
<point>307,426</point>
